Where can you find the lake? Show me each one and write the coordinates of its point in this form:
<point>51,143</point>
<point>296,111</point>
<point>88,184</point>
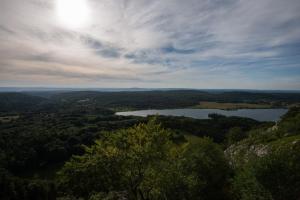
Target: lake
<point>257,114</point>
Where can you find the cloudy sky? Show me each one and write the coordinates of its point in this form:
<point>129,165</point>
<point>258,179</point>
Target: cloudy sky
<point>251,44</point>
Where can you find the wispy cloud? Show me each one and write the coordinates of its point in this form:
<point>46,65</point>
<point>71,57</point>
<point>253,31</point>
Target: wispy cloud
<point>169,43</point>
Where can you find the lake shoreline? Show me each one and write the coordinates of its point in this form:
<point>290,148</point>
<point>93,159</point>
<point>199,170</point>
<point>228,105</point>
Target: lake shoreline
<point>271,114</point>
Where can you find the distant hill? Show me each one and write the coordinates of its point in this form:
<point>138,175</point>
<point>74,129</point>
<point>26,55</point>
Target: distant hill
<point>53,100</point>
<point>134,89</point>
<point>12,101</point>
<point>171,99</point>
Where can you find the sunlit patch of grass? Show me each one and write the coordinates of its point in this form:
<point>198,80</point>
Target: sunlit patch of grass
<point>231,106</point>
<point>7,119</point>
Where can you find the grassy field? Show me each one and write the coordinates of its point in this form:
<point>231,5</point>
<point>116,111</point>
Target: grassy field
<point>8,118</point>
<point>293,105</point>
<point>192,139</point>
<point>230,106</point>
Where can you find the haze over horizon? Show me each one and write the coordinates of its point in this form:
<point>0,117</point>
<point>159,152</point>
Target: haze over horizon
<point>213,44</point>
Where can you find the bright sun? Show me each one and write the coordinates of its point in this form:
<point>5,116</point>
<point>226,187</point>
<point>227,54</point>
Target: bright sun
<point>73,13</point>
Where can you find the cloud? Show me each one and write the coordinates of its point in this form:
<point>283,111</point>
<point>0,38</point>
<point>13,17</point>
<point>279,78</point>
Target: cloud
<point>171,49</point>
<point>101,49</point>
<point>170,43</point>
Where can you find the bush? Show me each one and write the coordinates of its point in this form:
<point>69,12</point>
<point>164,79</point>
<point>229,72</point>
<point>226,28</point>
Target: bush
<point>144,163</point>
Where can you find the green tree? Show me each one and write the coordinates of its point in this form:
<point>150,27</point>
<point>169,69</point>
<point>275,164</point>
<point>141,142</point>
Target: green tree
<point>274,176</point>
<point>143,163</point>
<point>205,161</point>
<point>279,172</point>
<point>128,159</point>
<point>234,135</point>
<point>246,187</point>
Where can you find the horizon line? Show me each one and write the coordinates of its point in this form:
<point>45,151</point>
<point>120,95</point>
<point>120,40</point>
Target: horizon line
<point>132,88</point>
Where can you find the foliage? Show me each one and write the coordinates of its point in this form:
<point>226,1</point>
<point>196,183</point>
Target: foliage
<point>216,128</point>
<point>115,157</point>
<point>246,187</point>
<point>290,123</point>
<point>88,101</point>
<point>145,163</point>
<point>279,172</point>
<point>123,160</point>
<point>13,188</point>
<point>206,162</point>
<point>275,174</point>
<point>234,135</point>
<point>173,98</point>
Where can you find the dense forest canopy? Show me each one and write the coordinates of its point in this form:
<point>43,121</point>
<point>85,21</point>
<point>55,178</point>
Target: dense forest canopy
<point>71,146</point>
<point>50,101</point>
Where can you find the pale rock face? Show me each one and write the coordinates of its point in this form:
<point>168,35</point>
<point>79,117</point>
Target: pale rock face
<point>259,150</point>
<point>295,142</point>
<point>234,151</point>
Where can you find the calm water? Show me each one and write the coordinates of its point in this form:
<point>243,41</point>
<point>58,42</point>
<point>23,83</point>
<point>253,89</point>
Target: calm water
<point>258,114</point>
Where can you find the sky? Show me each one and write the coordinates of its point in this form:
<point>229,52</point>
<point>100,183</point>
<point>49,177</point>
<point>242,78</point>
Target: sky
<point>224,44</point>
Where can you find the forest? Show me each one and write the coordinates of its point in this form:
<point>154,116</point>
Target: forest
<point>72,146</point>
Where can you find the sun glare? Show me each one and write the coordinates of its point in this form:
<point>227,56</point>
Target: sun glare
<point>72,13</point>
